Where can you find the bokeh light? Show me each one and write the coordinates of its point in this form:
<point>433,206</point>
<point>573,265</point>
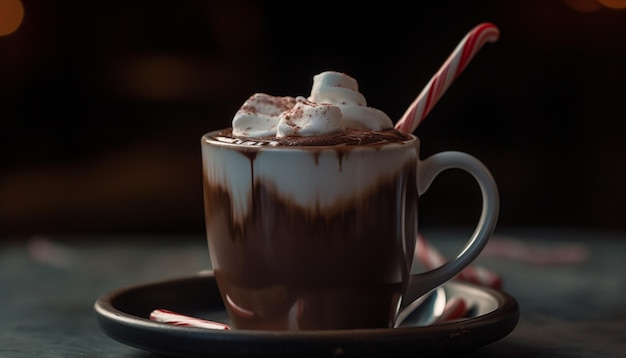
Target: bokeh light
<point>594,5</point>
<point>11,16</point>
<point>583,5</point>
<point>613,4</point>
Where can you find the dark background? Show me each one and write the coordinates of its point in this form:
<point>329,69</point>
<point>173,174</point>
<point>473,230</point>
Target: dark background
<point>102,103</point>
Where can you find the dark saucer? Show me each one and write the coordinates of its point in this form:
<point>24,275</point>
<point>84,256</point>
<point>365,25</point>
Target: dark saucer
<point>123,315</point>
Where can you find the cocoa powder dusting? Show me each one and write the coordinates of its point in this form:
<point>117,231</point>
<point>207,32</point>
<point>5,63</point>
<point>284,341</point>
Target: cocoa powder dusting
<point>349,137</point>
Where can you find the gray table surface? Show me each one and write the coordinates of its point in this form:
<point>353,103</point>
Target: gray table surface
<point>48,286</point>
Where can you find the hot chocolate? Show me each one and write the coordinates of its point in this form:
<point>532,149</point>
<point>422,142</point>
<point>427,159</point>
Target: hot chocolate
<point>311,211</point>
<point>309,199</point>
<point>291,233</point>
<point>348,137</point>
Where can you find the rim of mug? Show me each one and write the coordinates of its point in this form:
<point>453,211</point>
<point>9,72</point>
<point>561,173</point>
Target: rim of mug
<point>207,139</point>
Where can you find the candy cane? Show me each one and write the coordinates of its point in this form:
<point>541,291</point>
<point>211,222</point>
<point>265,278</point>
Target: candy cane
<point>456,308</point>
<point>449,71</point>
<point>166,316</point>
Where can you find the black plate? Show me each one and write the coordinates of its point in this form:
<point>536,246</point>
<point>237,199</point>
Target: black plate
<point>124,316</point>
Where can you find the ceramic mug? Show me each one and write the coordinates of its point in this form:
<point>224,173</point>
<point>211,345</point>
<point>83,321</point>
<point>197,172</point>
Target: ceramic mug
<point>323,237</point>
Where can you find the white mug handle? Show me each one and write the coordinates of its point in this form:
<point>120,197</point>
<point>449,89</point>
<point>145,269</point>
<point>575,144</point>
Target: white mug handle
<point>421,283</point>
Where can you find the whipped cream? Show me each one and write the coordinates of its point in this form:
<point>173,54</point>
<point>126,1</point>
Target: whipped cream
<point>334,104</point>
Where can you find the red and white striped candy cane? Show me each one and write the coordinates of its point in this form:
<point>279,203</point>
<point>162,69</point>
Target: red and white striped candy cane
<point>166,316</point>
<point>449,71</point>
<point>456,308</point>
